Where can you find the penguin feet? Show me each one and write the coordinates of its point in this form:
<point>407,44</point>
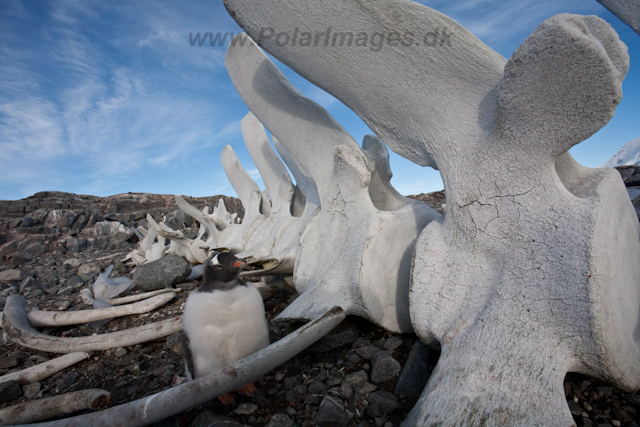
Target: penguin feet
<point>248,390</point>
<point>227,399</point>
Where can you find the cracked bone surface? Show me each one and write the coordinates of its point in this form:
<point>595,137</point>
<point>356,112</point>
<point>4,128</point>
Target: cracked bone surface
<point>534,270</point>
<point>352,253</point>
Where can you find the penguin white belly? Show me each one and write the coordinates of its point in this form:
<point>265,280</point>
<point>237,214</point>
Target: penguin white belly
<point>224,326</point>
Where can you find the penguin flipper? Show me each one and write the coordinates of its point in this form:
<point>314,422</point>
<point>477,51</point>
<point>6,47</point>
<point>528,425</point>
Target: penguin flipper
<point>189,366</point>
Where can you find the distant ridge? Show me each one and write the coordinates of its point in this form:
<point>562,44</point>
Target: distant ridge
<point>629,154</point>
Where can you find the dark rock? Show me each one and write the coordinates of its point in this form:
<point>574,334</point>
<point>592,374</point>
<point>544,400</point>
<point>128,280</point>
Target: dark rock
<point>386,401</point>
<point>8,362</point>
<point>9,391</point>
<point>31,390</point>
<point>280,420</point>
<point>417,370</point>
<point>165,272</point>
<point>345,333</point>
<point>68,218</point>
<point>27,222</point>
<point>14,224</point>
<point>331,412</point>
<point>357,379</point>
<point>174,343</point>
<point>630,175</point>
<point>383,367</point>
<point>21,258</point>
<point>67,382</point>
<point>246,409</point>
<point>392,343</point>
<point>210,419</point>
<point>75,281</point>
<point>316,387</point>
<point>368,351</point>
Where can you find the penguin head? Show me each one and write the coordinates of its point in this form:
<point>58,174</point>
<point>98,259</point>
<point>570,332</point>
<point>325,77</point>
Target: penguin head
<point>222,268</point>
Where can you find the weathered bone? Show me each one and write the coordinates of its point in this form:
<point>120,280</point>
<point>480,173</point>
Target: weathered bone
<point>49,407</point>
<point>532,273</point>
<point>628,11</point>
<point>44,370</point>
<point>107,288</point>
<point>161,405</point>
<point>339,260</point>
<point>235,236</point>
<point>40,319</point>
<point>277,184</point>
<point>17,327</point>
<point>139,297</point>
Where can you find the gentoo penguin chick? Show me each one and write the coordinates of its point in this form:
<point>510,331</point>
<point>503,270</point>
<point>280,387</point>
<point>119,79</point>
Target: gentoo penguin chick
<point>223,322</point>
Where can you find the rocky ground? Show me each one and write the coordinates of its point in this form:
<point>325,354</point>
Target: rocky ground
<point>52,245</point>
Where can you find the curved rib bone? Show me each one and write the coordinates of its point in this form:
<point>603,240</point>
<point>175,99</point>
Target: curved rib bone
<point>139,297</point>
<point>18,329</point>
<point>40,319</point>
<point>45,369</point>
<point>201,390</point>
<point>41,409</point>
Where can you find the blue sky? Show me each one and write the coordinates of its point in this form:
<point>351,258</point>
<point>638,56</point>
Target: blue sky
<point>108,97</point>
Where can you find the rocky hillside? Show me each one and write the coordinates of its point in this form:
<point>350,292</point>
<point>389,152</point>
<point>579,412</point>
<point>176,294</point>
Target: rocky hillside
<point>53,245</point>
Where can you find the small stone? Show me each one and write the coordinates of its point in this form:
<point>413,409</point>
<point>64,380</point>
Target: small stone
<point>383,367</point>
<point>246,409</point>
<point>346,390</point>
<point>89,268</point>
<point>280,420</point>
<point>9,391</point>
<point>174,343</point>
<point>316,387</point>
<point>616,423</point>
<point>386,401</point>
<point>8,362</point>
<point>343,334</point>
<point>165,272</point>
<point>31,390</point>
<point>300,389</point>
<point>331,412</point>
<point>367,351</point>
<point>10,275</point>
<point>575,408</point>
<point>357,379</point>
<point>120,351</point>
<point>392,343</point>
<point>75,281</point>
<point>27,282</point>
<point>73,262</point>
<point>210,419</point>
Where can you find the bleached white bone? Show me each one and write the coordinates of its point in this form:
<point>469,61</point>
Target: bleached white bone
<point>533,272</point>
<point>40,319</point>
<point>143,296</point>
<point>106,288</point>
<point>49,407</point>
<point>44,370</point>
<point>17,327</point>
<point>628,11</point>
<point>235,236</point>
<point>277,184</point>
<point>351,253</point>
<point>178,399</point>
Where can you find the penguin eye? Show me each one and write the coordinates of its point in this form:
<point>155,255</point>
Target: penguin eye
<point>218,267</point>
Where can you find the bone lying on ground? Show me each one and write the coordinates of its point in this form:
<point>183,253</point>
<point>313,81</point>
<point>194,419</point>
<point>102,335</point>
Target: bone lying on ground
<point>41,409</point>
<point>106,288</point>
<point>40,319</point>
<point>142,296</point>
<point>181,398</point>
<point>44,370</point>
<point>16,324</point>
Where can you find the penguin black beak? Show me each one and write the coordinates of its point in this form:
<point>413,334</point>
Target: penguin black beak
<point>239,263</point>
